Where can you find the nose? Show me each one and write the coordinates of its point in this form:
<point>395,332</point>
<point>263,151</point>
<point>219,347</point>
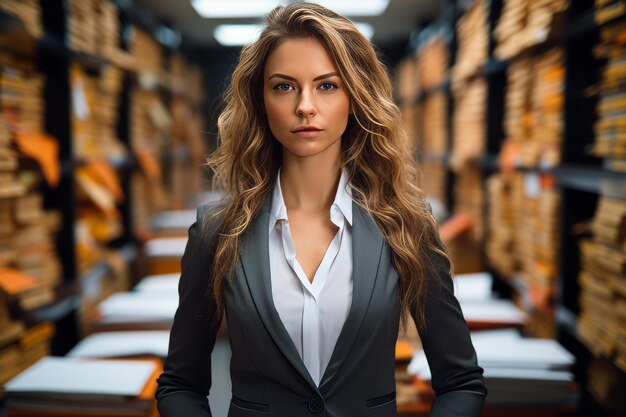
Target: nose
<point>305,107</point>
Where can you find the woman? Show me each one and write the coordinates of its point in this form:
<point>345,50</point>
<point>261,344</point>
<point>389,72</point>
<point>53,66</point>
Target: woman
<point>323,243</point>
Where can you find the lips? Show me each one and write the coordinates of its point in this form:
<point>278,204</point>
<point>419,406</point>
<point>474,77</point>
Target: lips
<point>307,131</point>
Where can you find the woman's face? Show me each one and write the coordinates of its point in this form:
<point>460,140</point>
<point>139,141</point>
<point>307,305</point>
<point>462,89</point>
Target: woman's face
<point>306,102</point>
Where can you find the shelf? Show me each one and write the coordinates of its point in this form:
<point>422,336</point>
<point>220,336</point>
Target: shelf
<point>567,320</point>
<point>66,300</point>
<point>445,87</point>
<point>91,280</point>
<point>586,24</point>
<point>592,179</point>
<point>494,66</point>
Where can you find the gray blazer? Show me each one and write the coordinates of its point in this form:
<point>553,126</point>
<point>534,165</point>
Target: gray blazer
<point>268,376</point>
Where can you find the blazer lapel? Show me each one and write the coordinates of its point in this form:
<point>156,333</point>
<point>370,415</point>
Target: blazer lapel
<point>254,255</point>
<point>367,245</point>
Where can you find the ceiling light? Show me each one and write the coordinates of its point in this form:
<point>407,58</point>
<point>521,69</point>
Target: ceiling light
<point>237,35</point>
<point>234,8</point>
<point>356,8</point>
<point>259,8</point>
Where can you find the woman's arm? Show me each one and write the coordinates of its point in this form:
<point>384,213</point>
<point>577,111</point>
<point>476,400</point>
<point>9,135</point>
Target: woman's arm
<point>185,382</point>
<point>456,377</point>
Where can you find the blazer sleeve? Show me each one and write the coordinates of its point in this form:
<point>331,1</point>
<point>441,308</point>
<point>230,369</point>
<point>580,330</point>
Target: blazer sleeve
<point>186,379</point>
<point>456,377</point>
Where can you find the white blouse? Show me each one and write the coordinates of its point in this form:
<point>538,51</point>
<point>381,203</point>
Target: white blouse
<point>313,312</point>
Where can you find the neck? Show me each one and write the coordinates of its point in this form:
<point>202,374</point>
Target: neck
<point>309,184</point>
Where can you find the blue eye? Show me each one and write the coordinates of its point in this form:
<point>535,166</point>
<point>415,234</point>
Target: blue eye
<point>282,87</point>
<point>328,86</point>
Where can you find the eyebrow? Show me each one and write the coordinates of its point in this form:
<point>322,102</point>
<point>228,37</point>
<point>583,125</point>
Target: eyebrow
<point>287,77</point>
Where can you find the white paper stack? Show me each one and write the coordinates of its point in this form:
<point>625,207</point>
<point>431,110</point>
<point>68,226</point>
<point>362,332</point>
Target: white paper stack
<point>123,344</point>
<point>478,305</point>
<point>174,220</point>
<point>136,311</point>
<point>173,247</point>
<point>160,284</point>
<point>518,371</point>
<point>72,386</point>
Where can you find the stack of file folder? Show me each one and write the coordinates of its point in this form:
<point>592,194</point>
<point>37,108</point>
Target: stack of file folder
<point>432,62</point>
<point>135,311</point>
<point>468,124</point>
<point>519,372</point>
<point>125,344</point>
<point>610,141</point>
<point>469,196</point>
<point>63,386</point>
<point>28,11</point>
<point>473,41</point>
<point>501,228</point>
<point>524,24</point>
<point>408,83</point>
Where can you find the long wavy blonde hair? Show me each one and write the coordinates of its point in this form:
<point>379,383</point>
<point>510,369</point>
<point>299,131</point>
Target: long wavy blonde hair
<point>375,152</point>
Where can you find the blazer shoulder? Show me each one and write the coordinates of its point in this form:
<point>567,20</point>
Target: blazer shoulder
<point>207,210</point>
<point>206,221</point>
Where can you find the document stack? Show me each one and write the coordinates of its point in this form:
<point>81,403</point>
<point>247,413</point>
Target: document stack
<point>510,25</point>
<point>124,344</point>
<point>525,23</point>
<point>106,112</point>
<point>109,29</point>
<point>135,311</point>
<point>434,133</point>
<point>537,202</point>
<point>534,110</point>
<point>468,125</point>
<point>433,180</point>
<point>480,309</point>
<point>20,348</point>
<point>64,386</point>
<point>83,26</point>
<point>10,333</point>
<point>163,255</point>
<point>607,10</point>
<point>185,178</point>
<point>603,283</point>
<point>173,223</point>
<point>150,130</point>
<point>95,112</point>
<point>469,196</point>
<point>408,82</point>
<point>517,101</point>
<point>147,52</point>
<point>473,38</point>
<point>432,63</point>
<point>500,237</point>
<point>518,371</point>
<point>544,149</point>
<point>28,11</point>
<point>610,140</point>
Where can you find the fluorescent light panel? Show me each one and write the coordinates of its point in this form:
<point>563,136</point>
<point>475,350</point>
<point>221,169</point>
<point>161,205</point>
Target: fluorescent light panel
<point>237,35</point>
<point>233,8</point>
<point>258,8</point>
